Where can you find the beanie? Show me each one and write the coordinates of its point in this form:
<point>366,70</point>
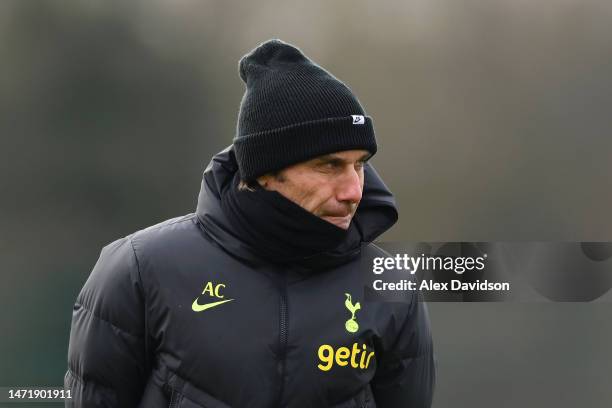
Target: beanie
<point>294,110</point>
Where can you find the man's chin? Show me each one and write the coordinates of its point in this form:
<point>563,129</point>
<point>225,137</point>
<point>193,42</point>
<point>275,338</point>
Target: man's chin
<point>340,222</point>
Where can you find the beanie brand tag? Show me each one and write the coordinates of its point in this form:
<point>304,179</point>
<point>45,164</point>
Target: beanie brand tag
<point>358,119</point>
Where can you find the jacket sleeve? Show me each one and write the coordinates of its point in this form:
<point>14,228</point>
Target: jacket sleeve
<point>405,375</point>
<point>107,362</point>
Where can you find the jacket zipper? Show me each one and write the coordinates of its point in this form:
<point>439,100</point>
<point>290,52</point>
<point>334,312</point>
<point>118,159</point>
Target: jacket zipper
<point>283,334</point>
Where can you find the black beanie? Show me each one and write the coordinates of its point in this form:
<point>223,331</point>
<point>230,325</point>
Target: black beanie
<point>294,110</point>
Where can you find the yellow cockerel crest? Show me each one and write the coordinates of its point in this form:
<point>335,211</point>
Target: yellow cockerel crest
<point>351,324</point>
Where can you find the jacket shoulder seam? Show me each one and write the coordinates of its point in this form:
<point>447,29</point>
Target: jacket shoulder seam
<point>144,303</point>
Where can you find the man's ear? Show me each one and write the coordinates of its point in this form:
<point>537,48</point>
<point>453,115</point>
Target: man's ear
<point>269,180</point>
<point>264,180</point>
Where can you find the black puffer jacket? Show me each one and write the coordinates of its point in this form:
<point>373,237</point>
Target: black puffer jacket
<point>189,313</point>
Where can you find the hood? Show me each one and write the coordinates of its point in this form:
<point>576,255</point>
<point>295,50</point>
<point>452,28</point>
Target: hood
<point>375,214</point>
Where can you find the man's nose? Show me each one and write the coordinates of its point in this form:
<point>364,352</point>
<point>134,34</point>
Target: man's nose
<point>350,187</point>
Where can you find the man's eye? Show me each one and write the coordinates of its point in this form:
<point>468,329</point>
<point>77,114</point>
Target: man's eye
<point>359,165</point>
<point>330,166</point>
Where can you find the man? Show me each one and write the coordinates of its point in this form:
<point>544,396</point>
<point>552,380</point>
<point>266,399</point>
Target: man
<point>255,300</point>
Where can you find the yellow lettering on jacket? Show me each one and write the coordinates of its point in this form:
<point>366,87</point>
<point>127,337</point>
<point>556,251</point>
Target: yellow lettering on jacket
<point>213,290</point>
<point>343,356</point>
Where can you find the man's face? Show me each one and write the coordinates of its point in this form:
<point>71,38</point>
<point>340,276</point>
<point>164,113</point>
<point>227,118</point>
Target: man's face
<point>328,186</point>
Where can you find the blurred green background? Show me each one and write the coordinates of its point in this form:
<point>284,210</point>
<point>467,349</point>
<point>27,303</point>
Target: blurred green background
<point>493,120</point>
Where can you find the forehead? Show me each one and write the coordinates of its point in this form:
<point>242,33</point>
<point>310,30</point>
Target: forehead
<point>342,157</point>
<point>345,155</point>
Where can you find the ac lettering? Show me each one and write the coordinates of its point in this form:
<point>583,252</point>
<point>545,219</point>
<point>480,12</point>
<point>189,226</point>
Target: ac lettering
<point>213,291</point>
